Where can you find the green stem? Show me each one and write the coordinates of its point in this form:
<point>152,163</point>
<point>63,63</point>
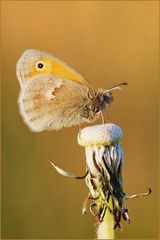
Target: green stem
<point>106,228</point>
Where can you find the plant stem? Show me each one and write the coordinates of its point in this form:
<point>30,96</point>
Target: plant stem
<point>106,228</point>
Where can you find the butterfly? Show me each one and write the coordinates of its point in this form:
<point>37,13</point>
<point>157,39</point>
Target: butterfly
<point>53,95</point>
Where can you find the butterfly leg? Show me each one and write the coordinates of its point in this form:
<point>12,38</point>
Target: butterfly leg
<point>102,116</point>
<point>108,118</point>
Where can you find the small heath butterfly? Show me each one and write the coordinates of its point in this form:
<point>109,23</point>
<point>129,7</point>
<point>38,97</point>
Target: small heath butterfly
<point>53,95</point>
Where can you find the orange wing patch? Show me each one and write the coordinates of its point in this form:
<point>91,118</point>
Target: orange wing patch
<point>58,69</point>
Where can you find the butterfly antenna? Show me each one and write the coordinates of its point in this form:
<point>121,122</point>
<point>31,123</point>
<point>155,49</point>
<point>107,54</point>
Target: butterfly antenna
<point>118,86</point>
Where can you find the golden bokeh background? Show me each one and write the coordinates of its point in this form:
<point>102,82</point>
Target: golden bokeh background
<point>107,42</point>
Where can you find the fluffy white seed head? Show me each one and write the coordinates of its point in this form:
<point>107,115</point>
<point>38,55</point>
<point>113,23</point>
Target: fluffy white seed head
<point>98,135</point>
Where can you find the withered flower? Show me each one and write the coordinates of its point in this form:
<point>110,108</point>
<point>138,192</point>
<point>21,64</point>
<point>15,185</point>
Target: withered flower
<point>104,159</point>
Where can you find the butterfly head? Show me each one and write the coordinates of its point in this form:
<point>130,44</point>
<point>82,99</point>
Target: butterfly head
<point>104,97</point>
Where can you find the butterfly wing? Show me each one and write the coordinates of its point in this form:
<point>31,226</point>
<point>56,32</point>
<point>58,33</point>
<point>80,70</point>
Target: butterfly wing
<point>52,93</point>
<point>48,102</point>
<point>27,67</point>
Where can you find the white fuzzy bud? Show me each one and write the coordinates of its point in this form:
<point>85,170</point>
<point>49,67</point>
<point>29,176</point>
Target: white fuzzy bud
<point>99,135</point>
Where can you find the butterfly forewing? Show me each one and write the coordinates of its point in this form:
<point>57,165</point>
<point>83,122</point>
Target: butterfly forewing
<point>27,67</point>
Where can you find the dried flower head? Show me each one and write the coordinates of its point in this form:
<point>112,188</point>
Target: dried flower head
<point>104,159</point>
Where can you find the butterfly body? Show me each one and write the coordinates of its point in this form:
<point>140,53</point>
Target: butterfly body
<point>53,95</point>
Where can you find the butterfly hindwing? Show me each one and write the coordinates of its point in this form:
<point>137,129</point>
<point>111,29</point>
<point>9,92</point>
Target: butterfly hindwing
<point>48,102</point>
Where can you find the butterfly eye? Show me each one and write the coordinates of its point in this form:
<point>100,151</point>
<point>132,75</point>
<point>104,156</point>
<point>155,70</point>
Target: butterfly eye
<point>40,65</point>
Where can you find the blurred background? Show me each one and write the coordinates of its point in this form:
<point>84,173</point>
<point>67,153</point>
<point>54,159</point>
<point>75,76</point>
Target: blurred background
<point>107,42</point>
